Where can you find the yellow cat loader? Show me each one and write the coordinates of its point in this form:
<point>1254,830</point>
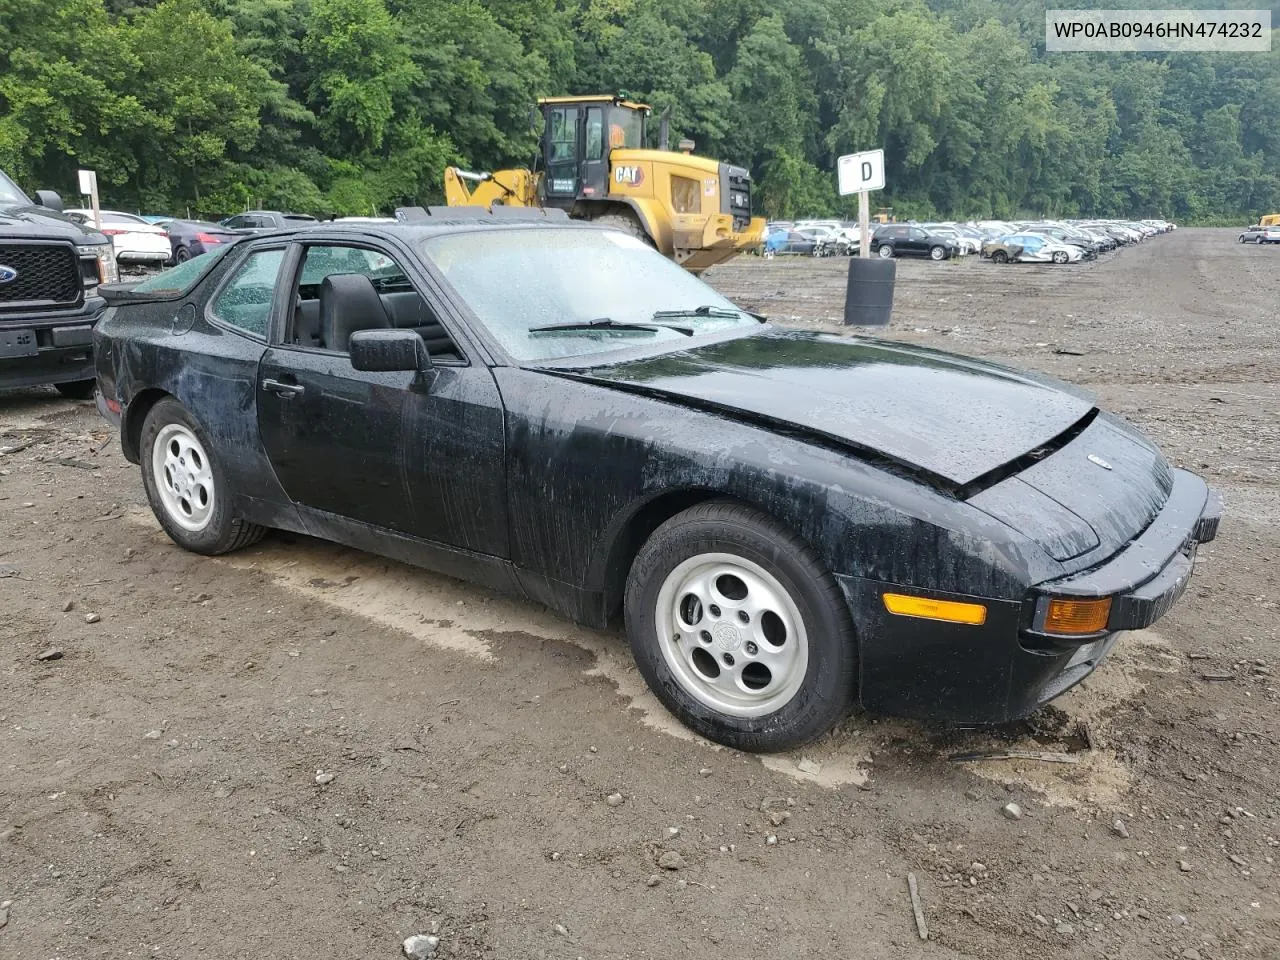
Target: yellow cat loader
<point>593,164</point>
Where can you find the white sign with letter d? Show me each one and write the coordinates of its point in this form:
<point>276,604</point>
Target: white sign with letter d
<point>856,172</point>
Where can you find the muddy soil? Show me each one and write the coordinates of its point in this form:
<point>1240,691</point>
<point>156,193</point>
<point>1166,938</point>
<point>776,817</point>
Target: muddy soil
<point>300,751</point>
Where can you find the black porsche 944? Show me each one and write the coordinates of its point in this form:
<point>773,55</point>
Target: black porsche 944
<point>790,523</point>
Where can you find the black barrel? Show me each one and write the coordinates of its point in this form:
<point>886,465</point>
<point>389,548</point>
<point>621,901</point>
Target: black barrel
<point>868,301</point>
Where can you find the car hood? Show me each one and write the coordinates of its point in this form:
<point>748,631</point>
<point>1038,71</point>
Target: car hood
<point>41,223</point>
<point>955,419</point>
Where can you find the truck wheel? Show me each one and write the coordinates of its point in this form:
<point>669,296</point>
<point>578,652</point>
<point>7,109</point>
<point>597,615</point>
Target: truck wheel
<point>77,389</point>
<point>186,485</point>
<point>739,629</point>
<point>628,223</point>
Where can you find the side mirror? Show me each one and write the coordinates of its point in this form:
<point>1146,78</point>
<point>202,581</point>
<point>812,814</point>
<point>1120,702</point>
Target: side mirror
<point>50,199</point>
<point>382,351</point>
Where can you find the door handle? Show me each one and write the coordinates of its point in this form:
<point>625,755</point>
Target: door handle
<point>285,390</point>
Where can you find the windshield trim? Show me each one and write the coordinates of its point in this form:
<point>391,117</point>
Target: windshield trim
<point>21,199</point>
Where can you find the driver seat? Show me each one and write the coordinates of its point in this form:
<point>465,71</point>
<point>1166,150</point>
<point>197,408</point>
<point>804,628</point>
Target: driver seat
<point>349,302</point>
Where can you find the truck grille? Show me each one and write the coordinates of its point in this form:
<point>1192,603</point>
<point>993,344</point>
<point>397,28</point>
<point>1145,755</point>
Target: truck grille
<point>44,274</point>
<point>735,194</point>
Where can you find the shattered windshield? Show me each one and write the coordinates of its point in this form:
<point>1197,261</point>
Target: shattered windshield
<point>547,294</point>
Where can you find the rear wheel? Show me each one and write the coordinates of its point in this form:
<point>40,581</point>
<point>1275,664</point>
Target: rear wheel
<point>186,485</point>
<point>885,251</point>
<point>627,222</point>
<point>181,255</point>
<point>999,257</point>
<point>77,389</point>
<point>739,630</point>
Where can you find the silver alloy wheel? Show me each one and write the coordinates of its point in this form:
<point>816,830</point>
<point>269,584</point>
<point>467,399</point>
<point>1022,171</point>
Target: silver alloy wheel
<point>1059,257</point>
<point>886,251</point>
<point>183,477</point>
<point>937,253</point>
<point>732,635</point>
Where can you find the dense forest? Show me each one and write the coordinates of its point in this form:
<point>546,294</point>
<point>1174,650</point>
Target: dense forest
<point>207,107</point>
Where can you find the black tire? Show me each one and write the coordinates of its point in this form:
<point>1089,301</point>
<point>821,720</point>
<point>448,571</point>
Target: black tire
<point>1060,257</point>
<point>886,251</point>
<point>225,530</point>
<point>627,222</point>
<point>937,253</point>
<point>77,389</point>
<point>999,256</point>
<point>181,255</point>
<point>826,689</point>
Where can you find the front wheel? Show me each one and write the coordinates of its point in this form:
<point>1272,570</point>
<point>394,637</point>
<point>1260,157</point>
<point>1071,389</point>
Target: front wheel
<point>1060,257</point>
<point>739,630</point>
<point>999,257</point>
<point>937,253</point>
<point>886,252</point>
<point>187,487</point>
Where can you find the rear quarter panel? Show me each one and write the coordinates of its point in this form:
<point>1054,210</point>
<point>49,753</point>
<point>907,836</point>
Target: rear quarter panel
<point>148,350</point>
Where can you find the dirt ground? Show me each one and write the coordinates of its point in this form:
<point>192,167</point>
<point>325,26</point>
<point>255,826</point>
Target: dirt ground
<point>158,782</point>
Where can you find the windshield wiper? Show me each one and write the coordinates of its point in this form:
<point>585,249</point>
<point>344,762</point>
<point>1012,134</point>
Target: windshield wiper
<point>601,323</point>
<point>707,310</point>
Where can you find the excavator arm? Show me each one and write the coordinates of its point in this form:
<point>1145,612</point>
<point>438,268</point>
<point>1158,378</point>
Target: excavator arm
<point>513,188</point>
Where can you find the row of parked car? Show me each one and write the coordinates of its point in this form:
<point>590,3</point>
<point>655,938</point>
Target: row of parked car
<point>142,240</point>
<point>1044,241</point>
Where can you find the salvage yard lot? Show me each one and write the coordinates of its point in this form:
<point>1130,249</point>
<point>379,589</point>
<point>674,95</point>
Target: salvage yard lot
<point>159,791</point>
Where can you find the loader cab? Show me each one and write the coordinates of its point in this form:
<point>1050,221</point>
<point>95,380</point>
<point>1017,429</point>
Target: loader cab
<point>578,134</point>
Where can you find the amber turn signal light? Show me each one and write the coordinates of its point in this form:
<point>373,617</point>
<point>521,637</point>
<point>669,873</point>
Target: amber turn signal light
<point>973,614</point>
<point>1077,617</point>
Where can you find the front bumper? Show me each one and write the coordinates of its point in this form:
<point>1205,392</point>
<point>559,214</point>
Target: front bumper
<point>1007,668</point>
<point>63,346</point>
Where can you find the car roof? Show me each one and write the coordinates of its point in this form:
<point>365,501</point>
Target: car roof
<point>465,220</point>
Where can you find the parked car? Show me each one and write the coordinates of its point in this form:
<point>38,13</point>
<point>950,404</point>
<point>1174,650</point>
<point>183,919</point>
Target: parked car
<point>191,238</point>
<point>787,521</point>
<point>911,240</point>
<point>50,271</point>
<point>135,240</point>
<point>782,240</point>
<point>1260,234</point>
<point>841,238</point>
<point>1070,236</point>
<point>963,242</point>
<point>827,241</point>
<point>1032,248</point>
<point>256,221</point>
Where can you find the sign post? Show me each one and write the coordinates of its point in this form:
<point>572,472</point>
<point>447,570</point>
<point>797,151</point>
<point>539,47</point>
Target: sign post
<point>89,188</point>
<point>861,173</point>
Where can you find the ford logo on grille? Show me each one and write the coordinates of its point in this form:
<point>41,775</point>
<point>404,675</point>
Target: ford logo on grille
<point>7,274</point>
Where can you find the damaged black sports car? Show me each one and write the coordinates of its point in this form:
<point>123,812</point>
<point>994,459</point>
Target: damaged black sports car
<point>790,523</point>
